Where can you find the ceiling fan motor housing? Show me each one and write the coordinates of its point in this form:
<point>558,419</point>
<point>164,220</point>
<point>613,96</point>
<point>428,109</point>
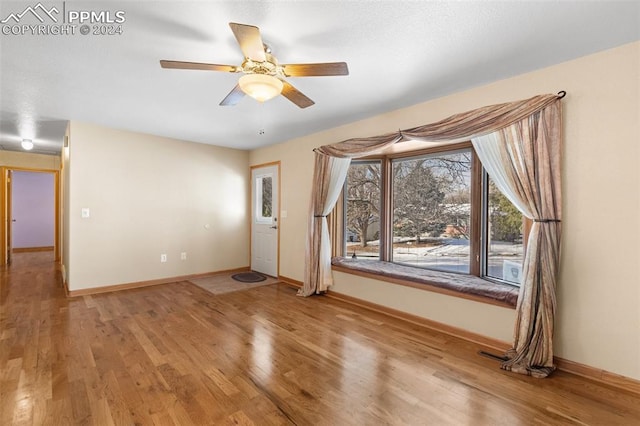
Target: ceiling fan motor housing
<point>269,67</point>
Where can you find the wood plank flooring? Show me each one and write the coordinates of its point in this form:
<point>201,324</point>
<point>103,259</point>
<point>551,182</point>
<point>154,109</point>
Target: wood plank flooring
<point>176,355</point>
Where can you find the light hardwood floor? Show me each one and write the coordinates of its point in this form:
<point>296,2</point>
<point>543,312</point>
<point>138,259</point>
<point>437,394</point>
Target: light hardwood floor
<point>175,354</point>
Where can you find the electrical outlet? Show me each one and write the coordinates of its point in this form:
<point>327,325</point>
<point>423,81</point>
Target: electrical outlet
<point>183,255</point>
<point>163,258</point>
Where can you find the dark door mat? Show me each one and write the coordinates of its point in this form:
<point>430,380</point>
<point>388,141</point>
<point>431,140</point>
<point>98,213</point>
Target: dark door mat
<point>249,277</point>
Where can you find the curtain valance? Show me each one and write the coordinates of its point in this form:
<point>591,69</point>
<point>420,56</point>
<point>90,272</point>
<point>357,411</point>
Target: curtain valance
<point>466,125</point>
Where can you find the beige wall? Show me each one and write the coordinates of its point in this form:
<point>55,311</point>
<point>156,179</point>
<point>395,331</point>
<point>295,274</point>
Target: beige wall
<point>29,161</point>
<point>149,195</point>
<point>598,321</point>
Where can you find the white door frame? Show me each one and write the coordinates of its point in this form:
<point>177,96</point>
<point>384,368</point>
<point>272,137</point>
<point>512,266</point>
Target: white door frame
<point>273,268</point>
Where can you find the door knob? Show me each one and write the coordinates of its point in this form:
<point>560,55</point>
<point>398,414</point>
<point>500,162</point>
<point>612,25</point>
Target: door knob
<point>274,227</point>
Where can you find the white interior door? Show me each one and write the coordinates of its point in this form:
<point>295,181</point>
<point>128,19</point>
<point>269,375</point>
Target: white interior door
<point>264,219</point>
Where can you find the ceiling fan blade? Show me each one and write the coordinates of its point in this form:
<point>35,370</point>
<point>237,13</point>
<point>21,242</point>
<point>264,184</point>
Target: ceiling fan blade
<point>197,66</point>
<point>249,40</point>
<point>310,70</point>
<point>233,97</point>
<point>295,96</point>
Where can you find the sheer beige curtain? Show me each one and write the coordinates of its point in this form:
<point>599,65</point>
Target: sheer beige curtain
<point>329,176</point>
<point>532,121</point>
<point>524,162</point>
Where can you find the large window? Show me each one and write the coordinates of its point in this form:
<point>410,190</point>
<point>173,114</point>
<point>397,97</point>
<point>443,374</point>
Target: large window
<point>435,210</point>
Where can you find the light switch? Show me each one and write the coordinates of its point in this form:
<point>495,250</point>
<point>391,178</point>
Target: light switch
<point>85,213</point>
<point>283,213</point>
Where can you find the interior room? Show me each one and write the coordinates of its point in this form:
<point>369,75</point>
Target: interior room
<point>181,144</point>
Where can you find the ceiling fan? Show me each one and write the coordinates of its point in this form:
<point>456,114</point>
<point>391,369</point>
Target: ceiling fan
<point>264,77</point>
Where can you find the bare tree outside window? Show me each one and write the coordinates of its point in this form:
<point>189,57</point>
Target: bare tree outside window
<point>362,193</point>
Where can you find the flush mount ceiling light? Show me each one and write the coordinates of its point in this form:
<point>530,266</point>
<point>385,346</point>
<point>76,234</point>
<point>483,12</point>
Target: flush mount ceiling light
<point>27,144</point>
<point>260,87</point>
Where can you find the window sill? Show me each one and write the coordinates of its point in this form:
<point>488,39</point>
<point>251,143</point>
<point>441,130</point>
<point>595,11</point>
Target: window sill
<point>457,285</point>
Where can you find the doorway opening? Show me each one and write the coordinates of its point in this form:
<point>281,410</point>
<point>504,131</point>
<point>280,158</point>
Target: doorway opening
<point>30,212</point>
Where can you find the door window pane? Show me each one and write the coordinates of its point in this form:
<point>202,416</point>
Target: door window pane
<point>264,199</point>
<point>432,211</point>
<point>504,238</point>
<point>362,197</point>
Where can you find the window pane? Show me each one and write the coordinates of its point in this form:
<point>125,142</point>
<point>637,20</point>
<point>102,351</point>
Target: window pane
<point>266,197</point>
<point>362,224</point>
<point>504,239</point>
<point>432,211</point>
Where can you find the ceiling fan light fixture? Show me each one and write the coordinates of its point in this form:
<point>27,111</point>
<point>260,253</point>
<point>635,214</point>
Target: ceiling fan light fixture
<point>27,144</point>
<point>261,87</point>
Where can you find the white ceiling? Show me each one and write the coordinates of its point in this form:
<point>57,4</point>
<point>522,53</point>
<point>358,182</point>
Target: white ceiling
<point>399,53</point>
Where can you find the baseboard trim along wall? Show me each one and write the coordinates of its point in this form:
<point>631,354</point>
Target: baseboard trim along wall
<point>290,281</point>
<point>487,342</point>
<point>31,249</point>
<point>598,375</point>
<point>128,286</point>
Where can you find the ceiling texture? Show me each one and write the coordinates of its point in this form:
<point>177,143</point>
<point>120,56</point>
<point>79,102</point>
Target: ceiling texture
<point>399,53</point>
